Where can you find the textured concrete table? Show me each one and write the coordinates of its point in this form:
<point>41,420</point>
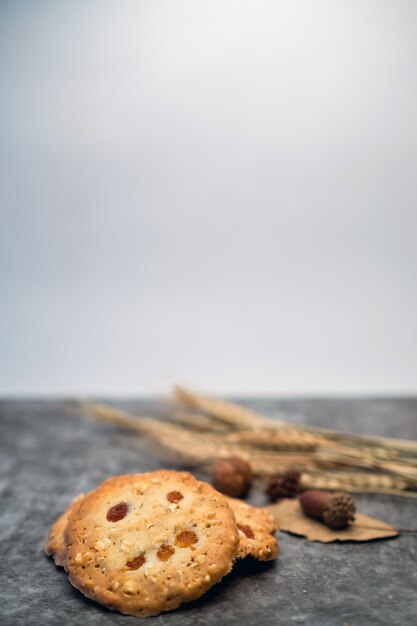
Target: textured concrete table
<point>50,454</point>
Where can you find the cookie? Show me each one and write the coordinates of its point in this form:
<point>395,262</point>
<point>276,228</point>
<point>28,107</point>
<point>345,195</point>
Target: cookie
<point>145,543</point>
<point>255,526</point>
<point>55,546</point>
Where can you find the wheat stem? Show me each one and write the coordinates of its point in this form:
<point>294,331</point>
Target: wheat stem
<point>196,440</point>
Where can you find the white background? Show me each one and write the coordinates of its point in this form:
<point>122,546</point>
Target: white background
<point>221,192</point>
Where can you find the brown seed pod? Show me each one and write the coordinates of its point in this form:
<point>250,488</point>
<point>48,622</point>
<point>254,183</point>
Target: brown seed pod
<point>283,485</point>
<point>336,510</point>
<point>232,476</point>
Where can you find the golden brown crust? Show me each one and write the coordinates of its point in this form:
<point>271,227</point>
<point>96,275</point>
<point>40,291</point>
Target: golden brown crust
<point>119,564</point>
<point>55,546</point>
<point>255,526</point>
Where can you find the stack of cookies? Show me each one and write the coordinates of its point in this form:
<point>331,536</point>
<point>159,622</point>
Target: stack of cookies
<point>145,543</point>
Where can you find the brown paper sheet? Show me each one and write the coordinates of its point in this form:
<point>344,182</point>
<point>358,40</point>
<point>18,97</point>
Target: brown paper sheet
<point>290,518</point>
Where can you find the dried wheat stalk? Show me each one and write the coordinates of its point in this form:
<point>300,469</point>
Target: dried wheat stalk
<point>227,430</point>
<point>285,438</point>
<point>264,465</point>
<point>232,414</point>
<point>239,418</point>
<point>242,418</point>
<point>184,444</point>
<point>377,443</point>
<point>191,446</point>
<point>351,481</point>
<point>195,421</point>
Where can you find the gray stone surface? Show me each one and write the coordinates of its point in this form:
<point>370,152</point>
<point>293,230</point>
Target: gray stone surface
<point>49,454</point>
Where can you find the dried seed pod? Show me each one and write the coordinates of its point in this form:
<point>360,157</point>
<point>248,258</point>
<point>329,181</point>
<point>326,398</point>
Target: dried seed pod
<point>336,510</point>
<point>283,485</point>
<point>232,476</point>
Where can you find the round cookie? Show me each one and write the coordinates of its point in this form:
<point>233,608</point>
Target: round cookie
<point>255,526</point>
<point>55,546</point>
<point>145,543</point>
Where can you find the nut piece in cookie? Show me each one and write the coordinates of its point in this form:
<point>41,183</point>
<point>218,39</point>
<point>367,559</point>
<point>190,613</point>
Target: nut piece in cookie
<point>284,484</point>
<point>255,526</point>
<point>144,543</point>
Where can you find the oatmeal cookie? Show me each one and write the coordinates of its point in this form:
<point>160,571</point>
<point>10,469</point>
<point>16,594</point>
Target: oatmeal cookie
<point>255,526</point>
<point>145,543</point>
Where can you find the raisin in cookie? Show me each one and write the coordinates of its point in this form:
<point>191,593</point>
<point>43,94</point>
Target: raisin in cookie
<point>255,526</point>
<point>55,546</point>
<point>145,543</point>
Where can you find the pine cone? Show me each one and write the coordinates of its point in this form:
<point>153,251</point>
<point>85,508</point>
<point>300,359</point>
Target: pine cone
<point>283,485</point>
<point>340,511</point>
